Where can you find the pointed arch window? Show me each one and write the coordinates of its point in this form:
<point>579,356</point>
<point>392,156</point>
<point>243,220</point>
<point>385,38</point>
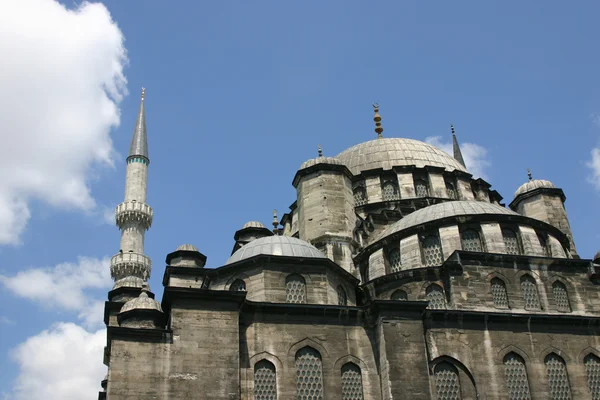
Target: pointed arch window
<point>515,373</point>
<point>592,370</point>
<point>544,244</point>
<point>390,191</point>
<point>295,289</point>
<point>238,286</point>
<point>352,387</point>
<point>309,374</point>
<point>447,384</point>
<point>561,296</point>
<point>421,188</point>
<point>499,294</point>
<point>451,190</point>
<point>471,241</point>
<point>360,195</point>
<point>399,295</point>
<point>265,381</point>
<point>435,297</point>
<point>342,296</point>
<point>511,241</point>
<point>395,260</point>
<point>432,251</point>
<point>530,293</point>
<point>558,378</point>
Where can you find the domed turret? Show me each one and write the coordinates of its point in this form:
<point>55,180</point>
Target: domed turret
<point>251,230</point>
<point>186,255</point>
<point>142,312</point>
<point>276,246</point>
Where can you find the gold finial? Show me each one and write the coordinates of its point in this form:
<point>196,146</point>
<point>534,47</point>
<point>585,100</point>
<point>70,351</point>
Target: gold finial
<point>275,222</point>
<point>320,151</point>
<point>529,174</point>
<point>377,119</point>
<point>143,93</point>
<point>452,128</point>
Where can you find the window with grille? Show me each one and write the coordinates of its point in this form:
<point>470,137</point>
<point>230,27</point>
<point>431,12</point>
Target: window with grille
<point>515,373</point>
<point>561,297</point>
<point>395,260</point>
<point>390,191</point>
<point>432,251</point>
<point>295,289</point>
<point>470,240</point>
<point>360,196</point>
<point>399,295</point>
<point>309,374</point>
<point>352,388</point>
<point>265,381</point>
<point>592,369</point>
<point>544,244</point>
<point>342,297</point>
<point>447,384</point>
<point>435,297</point>
<point>421,188</point>
<point>238,286</point>
<point>530,293</point>
<point>451,191</point>
<point>511,241</point>
<point>557,377</point>
<point>499,295</point>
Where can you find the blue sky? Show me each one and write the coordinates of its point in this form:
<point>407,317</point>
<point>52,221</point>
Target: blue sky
<point>239,94</point>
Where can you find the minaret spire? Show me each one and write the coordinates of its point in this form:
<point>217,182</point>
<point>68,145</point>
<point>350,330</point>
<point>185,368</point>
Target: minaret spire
<point>139,142</point>
<point>456,148</point>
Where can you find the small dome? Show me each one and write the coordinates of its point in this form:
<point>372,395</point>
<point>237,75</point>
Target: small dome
<point>187,247</point>
<point>129,281</point>
<point>391,152</point>
<point>276,246</point>
<point>142,302</point>
<point>320,160</point>
<point>444,210</point>
<point>532,185</point>
<point>253,224</point>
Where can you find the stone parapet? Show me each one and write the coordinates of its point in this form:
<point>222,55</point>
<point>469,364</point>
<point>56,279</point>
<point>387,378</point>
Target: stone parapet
<point>134,211</point>
<point>130,264</point>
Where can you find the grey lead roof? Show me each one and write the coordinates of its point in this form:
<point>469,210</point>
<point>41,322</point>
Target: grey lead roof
<point>139,142</point>
<point>276,246</point>
<point>532,185</point>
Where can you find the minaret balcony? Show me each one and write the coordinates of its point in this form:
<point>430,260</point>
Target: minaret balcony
<point>130,264</point>
<point>134,211</point>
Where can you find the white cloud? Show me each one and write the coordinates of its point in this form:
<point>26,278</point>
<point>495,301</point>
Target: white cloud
<point>59,98</point>
<point>63,362</point>
<point>594,166</point>
<point>4,320</point>
<point>64,286</point>
<point>473,154</point>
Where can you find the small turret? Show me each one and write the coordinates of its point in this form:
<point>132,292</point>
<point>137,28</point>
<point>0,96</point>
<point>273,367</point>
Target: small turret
<point>251,230</point>
<point>142,312</point>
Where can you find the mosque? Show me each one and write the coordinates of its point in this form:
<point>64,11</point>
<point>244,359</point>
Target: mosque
<point>394,275</point>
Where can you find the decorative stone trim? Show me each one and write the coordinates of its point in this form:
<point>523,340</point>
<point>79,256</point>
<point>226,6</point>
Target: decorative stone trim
<point>133,211</point>
<point>130,264</point>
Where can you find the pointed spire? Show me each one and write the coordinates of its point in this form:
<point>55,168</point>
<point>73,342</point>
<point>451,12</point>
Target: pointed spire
<point>377,119</point>
<point>320,151</point>
<point>456,148</point>
<point>529,174</point>
<point>139,142</point>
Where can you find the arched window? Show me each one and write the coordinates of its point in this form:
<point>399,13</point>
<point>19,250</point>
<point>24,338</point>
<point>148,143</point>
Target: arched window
<point>451,191</point>
<point>265,381</point>
<point>435,297</point>
<point>530,293</point>
<point>515,373</point>
<point>352,387</point>
<point>592,369</point>
<point>309,374</point>
<point>400,295</point>
<point>390,191</point>
<point>395,260</point>
<point>557,377</point>
<point>544,244</point>
<point>561,297</point>
<point>511,241</point>
<point>238,286</point>
<point>295,289</point>
<point>470,240</point>
<point>447,384</point>
<point>342,296</point>
<point>421,188</point>
<point>360,196</point>
<point>432,251</point>
<point>499,295</point>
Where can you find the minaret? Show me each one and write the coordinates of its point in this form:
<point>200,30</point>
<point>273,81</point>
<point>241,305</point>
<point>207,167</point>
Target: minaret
<point>456,148</point>
<point>131,267</point>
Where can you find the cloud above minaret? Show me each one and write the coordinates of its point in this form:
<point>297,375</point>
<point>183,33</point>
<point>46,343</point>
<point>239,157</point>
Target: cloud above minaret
<point>60,88</point>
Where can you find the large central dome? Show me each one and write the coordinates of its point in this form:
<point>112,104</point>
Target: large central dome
<point>390,152</point>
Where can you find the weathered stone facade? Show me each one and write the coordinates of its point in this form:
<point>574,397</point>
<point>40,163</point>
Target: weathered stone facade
<point>395,275</point>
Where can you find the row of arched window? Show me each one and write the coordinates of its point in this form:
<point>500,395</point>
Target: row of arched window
<point>434,294</point>
<point>309,378</point>
<point>447,379</point>
<point>295,290</point>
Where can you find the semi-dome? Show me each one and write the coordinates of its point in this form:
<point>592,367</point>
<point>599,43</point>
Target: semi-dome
<point>320,160</point>
<point>187,247</point>
<point>532,185</point>
<point>253,224</point>
<point>444,210</point>
<point>142,302</point>
<point>390,152</point>
<point>276,246</point>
